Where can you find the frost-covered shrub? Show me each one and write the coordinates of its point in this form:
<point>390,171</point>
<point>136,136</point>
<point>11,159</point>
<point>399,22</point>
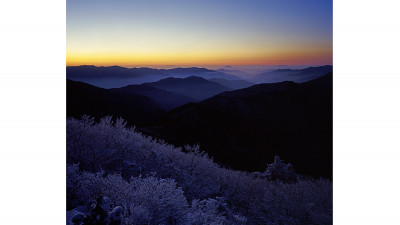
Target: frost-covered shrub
<point>305,202</point>
<point>73,182</point>
<point>213,212</point>
<point>162,199</point>
<point>85,187</point>
<point>206,212</point>
<point>137,215</point>
<point>280,171</point>
<point>158,200</point>
<point>153,181</point>
<point>109,146</point>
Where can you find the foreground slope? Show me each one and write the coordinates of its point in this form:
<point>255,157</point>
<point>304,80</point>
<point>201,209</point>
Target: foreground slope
<point>151,182</point>
<point>245,128</point>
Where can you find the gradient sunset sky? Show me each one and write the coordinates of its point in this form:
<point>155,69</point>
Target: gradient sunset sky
<point>203,32</point>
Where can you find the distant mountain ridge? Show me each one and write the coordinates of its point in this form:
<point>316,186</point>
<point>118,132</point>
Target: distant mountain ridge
<point>295,75</point>
<point>195,87</point>
<point>117,76</point>
<point>187,69</point>
<point>233,84</point>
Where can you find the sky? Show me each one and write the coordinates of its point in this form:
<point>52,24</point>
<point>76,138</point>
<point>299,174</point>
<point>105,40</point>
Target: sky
<point>206,32</point>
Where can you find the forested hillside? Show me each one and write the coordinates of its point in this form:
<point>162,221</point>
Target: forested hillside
<point>244,128</point>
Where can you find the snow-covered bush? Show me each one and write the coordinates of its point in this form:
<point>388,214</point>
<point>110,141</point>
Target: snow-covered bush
<point>153,182</point>
<point>160,199</point>
<point>304,202</point>
<point>213,212</point>
<point>109,146</point>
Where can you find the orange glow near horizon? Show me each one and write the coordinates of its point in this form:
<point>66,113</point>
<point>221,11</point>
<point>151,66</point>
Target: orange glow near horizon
<point>302,57</point>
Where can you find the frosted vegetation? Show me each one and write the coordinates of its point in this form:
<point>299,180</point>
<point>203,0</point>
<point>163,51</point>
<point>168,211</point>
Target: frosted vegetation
<point>116,175</point>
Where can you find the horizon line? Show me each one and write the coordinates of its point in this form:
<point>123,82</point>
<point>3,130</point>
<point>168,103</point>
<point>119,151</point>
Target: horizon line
<point>191,66</point>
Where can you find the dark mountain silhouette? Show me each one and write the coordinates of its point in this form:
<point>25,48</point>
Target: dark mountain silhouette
<point>246,128</point>
<point>195,87</point>
<point>117,76</point>
<point>295,75</point>
<point>233,84</point>
<point>166,100</point>
<point>86,99</point>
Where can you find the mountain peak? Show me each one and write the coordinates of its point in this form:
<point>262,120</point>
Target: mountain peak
<point>195,87</point>
<point>195,78</point>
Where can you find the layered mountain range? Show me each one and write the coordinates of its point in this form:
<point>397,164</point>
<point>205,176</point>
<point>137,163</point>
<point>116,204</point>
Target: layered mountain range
<point>117,76</point>
<point>241,125</point>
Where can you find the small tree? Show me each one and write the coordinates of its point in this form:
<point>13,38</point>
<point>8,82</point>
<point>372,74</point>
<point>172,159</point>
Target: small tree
<point>280,171</point>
